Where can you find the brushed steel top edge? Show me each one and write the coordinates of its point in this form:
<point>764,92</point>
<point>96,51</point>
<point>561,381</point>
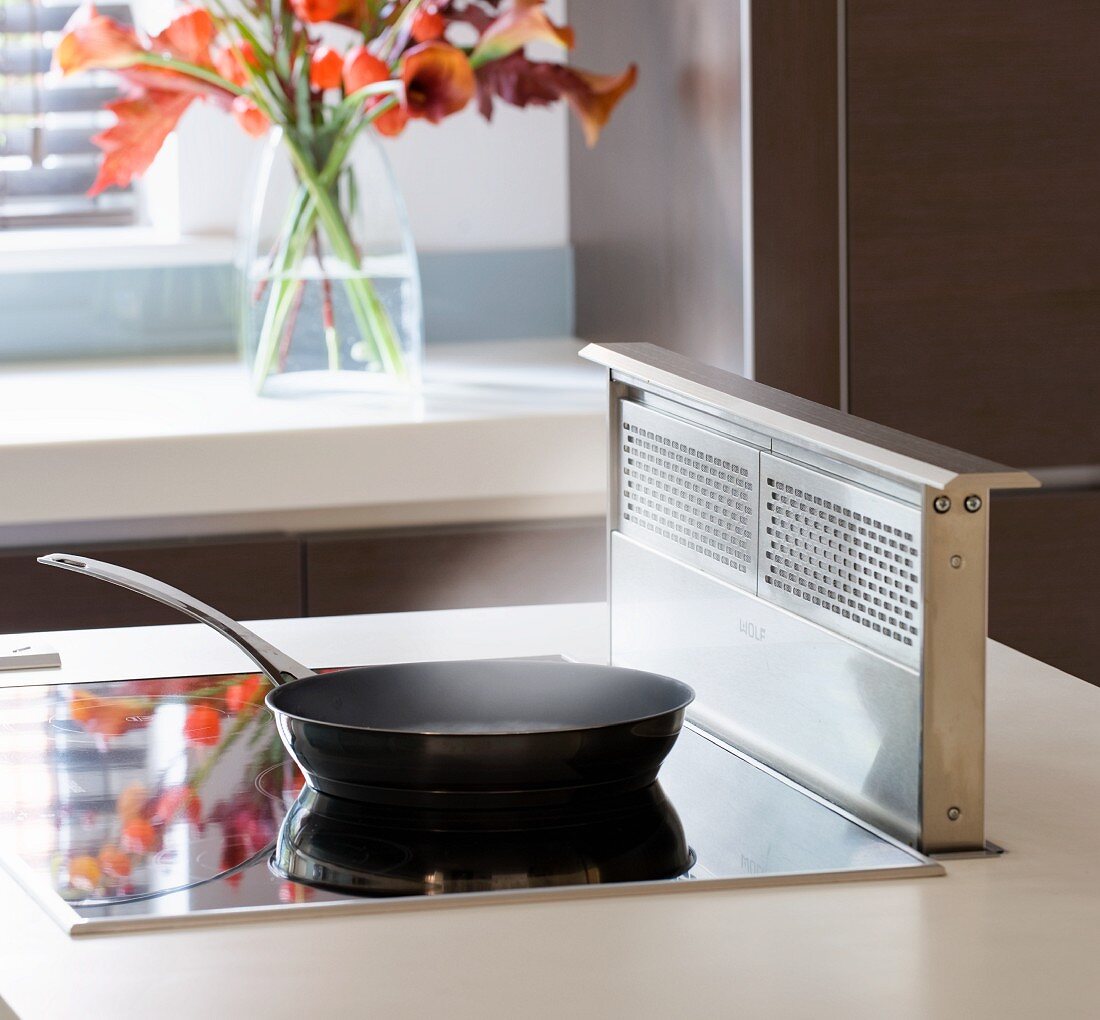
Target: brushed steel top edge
<point>877,446</point>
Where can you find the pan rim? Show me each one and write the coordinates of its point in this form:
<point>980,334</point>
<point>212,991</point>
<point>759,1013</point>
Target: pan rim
<point>687,697</point>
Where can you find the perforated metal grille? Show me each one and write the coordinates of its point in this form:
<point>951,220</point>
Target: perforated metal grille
<point>689,490</point>
<point>850,557</point>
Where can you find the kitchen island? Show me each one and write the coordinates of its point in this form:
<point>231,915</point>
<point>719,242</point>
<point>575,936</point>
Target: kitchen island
<point>1016,935</point>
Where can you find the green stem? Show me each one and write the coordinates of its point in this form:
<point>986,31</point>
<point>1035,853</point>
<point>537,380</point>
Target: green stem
<point>370,313</point>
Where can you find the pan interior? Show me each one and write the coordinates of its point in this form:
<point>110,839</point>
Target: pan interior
<point>481,696</point>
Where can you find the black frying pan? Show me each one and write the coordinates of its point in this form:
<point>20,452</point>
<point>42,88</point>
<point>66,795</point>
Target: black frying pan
<point>475,733</point>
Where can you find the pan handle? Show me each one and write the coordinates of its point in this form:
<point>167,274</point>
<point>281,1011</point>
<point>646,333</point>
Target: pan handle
<point>279,667</point>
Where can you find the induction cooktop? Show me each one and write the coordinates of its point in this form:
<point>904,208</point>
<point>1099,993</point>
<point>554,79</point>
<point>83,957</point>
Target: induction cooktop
<point>142,804</point>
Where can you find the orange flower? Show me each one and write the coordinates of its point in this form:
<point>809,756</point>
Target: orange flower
<point>138,836</point>
<point>427,24</point>
<point>230,62</point>
<point>251,118</point>
<point>132,801</point>
<point>92,39</point>
<point>114,862</point>
<point>438,80</point>
<point>593,97</point>
<point>326,69</point>
<point>362,68</point>
<point>203,724</point>
<point>525,21</point>
<point>320,10</point>
<point>84,873</point>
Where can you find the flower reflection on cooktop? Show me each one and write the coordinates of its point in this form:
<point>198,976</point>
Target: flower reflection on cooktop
<point>362,850</point>
<point>122,791</point>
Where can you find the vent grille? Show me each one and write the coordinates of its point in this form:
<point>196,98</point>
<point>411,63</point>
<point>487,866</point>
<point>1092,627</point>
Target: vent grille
<point>842,556</point>
<point>690,491</point>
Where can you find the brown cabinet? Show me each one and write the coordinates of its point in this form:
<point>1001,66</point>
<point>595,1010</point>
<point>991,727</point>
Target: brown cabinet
<point>452,568</point>
<point>248,578</point>
<point>1044,577</point>
<point>267,577</point>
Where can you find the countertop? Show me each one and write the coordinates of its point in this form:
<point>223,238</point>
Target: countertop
<point>502,430</point>
<point>1015,936</point>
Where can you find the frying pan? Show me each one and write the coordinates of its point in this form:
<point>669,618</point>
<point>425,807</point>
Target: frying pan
<point>473,733</point>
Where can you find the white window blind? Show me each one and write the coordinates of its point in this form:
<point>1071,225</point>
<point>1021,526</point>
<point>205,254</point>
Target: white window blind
<point>47,159</point>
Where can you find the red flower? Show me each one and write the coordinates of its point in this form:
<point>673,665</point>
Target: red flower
<point>250,117</point>
<point>230,62</point>
<point>244,694</point>
<point>326,69</point>
<point>438,80</point>
<point>114,863</point>
<point>173,802</point>
<point>202,726</point>
<point>138,836</point>
<point>427,24</point>
<point>320,10</point>
<point>362,68</point>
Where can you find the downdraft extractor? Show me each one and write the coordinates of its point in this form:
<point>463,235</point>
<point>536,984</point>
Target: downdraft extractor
<point>820,581</point>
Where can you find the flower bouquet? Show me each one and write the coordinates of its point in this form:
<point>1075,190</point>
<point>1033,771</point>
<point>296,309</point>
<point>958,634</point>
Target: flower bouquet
<point>380,65</point>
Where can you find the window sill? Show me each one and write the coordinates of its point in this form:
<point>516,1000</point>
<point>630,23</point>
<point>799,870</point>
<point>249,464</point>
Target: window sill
<point>76,248</point>
<point>517,427</point>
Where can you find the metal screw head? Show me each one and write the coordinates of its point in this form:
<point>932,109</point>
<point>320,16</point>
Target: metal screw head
<point>941,504</point>
<point>953,814</point>
<point>973,504</point>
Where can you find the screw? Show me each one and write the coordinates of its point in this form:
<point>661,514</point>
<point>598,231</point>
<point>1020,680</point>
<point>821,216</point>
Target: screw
<point>973,504</point>
<point>953,814</point>
<point>956,561</point>
<point>941,504</point>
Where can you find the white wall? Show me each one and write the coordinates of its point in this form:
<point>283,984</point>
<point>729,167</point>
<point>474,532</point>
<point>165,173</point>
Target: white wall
<point>467,184</point>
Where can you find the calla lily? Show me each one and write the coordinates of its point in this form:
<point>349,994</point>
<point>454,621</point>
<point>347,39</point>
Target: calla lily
<point>593,97</point>
<point>250,117</point>
<point>343,12</point>
<point>231,62</point>
<point>438,80</point>
<point>524,22</point>
<point>522,82</point>
<point>92,40</point>
<point>428,23</point>
<point>363,68</point>
<point>325,69</point>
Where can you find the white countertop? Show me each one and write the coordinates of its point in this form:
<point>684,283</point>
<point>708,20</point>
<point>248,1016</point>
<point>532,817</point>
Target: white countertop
<point>1017,936</point>
<point>500,425</point>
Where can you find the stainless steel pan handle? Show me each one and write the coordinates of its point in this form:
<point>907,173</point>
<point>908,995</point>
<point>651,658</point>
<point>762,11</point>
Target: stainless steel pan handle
<point>278,666</point>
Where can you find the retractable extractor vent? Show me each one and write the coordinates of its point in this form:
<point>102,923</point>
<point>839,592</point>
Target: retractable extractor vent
<point>689,491</point>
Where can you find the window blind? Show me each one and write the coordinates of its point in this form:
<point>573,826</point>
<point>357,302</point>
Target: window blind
<point>47,159</point>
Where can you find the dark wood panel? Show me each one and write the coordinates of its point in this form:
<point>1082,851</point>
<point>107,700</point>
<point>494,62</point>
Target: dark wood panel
<point>655,208</point>
<point>256,578</point>
<point>796,189</point>
<point>1044,578</point>
<point>399,571</point>
<point>974,223</point>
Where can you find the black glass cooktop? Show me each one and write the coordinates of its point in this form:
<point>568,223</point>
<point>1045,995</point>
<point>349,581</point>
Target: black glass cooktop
<point>148,803</point>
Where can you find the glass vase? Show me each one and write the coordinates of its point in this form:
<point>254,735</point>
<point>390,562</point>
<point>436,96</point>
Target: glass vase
<point>330,288</point>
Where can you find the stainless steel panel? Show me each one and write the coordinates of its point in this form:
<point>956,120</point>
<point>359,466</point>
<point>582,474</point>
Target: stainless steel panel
<point>690,491</point>
<point>792,419</point>
<point>832,715</point>
<point>842,556</point>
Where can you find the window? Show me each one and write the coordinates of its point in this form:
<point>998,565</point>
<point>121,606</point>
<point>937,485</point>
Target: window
<point>47,159</point>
